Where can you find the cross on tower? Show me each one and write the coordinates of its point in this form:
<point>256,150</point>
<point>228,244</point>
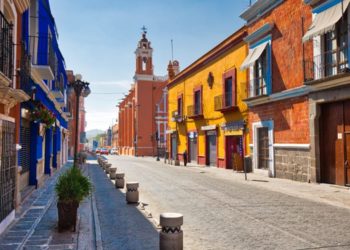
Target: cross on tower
<point>144,29</point>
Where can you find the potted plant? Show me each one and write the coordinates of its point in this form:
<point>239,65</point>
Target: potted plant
<point>42,114</point>
<point>71,188</point>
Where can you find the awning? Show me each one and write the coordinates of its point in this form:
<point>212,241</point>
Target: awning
<point>326,20</point>
<point>254,55</point>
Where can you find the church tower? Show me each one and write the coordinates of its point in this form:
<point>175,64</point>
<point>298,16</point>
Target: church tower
<point>144,66</point>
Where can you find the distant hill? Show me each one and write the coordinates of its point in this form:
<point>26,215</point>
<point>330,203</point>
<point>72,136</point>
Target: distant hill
<point>93,132</point>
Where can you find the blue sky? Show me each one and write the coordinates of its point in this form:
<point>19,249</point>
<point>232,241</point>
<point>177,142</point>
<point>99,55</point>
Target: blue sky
<point>98,39</point>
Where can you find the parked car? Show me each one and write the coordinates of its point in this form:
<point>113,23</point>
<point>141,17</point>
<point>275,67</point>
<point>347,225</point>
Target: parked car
<point>98,150</point>
<point>114,151</point>
<point>104,151</point>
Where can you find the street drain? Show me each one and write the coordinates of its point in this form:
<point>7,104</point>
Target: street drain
<point>202,172</point>
<point>260,180</point>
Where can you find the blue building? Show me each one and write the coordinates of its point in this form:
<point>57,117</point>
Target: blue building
<point>43,126</point>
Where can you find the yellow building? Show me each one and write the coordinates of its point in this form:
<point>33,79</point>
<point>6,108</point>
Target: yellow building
<point>207,117</point>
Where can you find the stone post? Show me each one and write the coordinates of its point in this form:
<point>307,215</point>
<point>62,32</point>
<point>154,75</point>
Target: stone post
<point>108,167</point>
<point>112,173</point>
<point>132,193</point>
<point>171,236</point>
<point>119,180</point>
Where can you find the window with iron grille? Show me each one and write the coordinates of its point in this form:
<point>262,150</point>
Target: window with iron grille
<point>6,47</point>
<point>24,153</point>
<point>260,71</point>
<point>7,168</point>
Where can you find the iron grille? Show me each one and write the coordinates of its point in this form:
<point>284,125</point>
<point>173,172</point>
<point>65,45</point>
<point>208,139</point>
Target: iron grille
<point>7,168</point>
<point>24,153</point>
<point>25,69</point>
<point>6,47</point>
<point>41,57</point>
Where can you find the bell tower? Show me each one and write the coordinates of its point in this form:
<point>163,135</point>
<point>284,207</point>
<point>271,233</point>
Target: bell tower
<point>143,54</point>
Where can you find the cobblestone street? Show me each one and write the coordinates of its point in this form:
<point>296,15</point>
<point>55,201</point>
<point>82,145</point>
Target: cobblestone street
<point>220,213</point>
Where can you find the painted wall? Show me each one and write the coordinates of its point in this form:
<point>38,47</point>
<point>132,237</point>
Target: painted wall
<point>232,59</point>
<point>291,19</point>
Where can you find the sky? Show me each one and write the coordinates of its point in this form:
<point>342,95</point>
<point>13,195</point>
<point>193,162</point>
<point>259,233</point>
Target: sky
<point>98,39</point>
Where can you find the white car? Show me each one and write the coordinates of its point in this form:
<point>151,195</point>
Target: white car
<point>114,151</point>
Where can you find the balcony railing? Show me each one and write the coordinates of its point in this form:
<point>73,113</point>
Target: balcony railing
<point>329,63</point>
<point>176,117</point>
<point>6,47</point>
<point>256,87</point>
<point>224,102</point>
<point>42,56</point>
<point>194,111</point>
<point>25,68</point>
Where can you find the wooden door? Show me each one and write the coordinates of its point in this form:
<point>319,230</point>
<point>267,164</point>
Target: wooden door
<point>229,151</point>
<point>335,142</point>
<point>346,116</point>
<point>263,148</point>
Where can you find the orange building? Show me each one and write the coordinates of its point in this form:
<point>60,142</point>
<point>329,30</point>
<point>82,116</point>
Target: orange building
<point>138,110</point>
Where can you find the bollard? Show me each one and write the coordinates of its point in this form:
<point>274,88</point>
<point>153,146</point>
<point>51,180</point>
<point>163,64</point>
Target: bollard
<point>112,172</point>
<point>132,193</point>
<point>119,180</point>
<point>171,236</point>
<point>108,167</point>
<point>104,162</point>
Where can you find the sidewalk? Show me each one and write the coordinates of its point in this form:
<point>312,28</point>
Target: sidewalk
<point>121,225</point>
<point>325,193</point>
<point>35,226</point>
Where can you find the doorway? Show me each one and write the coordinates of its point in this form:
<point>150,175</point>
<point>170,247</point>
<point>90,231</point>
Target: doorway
<point>263,148</point>
<point>192,147</point>
<point>211,148</point>
<point>173,146</point>
<point>335,143</point>
<point>234,153</point>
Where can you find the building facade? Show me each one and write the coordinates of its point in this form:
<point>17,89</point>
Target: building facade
<point>327,78</point>
<point>33,117</point>
<point>277,96</point>
<point>71,108</point>
<point>115,134</point>
<point>137,110</point>
<point>11,96</point>
<point>206,115</point>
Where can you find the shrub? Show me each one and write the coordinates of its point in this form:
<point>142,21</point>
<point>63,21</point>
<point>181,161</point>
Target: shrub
<point>73,186</point>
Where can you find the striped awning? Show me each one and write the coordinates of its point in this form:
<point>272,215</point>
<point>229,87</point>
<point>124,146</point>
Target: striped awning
<point>326,20</point>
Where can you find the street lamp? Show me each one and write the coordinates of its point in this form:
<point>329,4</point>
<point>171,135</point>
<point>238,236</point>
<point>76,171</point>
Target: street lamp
<point>80,88</point>
<point>157,139</point>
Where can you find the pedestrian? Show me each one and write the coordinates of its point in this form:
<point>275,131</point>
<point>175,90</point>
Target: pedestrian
<point>185,157</point>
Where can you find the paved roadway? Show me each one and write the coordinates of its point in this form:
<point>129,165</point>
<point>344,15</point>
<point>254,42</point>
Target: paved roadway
<point>220,213</point>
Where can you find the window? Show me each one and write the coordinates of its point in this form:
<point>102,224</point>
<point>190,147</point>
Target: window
<point>179,106</point>
<point>260,70</point>
<point>336,48</point>
<point>144,63</point>
<point>228,92</point>
<point>197,102</point>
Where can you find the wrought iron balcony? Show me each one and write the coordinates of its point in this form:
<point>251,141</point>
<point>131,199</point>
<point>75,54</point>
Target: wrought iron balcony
<point>6,51</point>
<point>25,69</point>
<point>194,111</point>
<point>224,102</point>
<point>176,117</point>
<point>325,65</point>
<point>44,59</point>
<point>58,91</point>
